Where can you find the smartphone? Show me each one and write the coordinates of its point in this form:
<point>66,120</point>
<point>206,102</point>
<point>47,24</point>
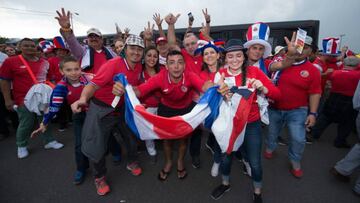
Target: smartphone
<point>191,17</point>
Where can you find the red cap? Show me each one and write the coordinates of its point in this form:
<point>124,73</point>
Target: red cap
<point>160,39</point>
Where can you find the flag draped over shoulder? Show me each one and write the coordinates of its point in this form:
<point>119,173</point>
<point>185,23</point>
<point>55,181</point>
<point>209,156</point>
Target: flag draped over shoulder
<point>227,120</point>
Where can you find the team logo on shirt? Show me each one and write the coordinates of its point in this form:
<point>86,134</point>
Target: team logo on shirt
<point>304,73</point>
<point>69,93</point>
<point>166,91</point>
<point>22,66</point>
<point>184,88</point>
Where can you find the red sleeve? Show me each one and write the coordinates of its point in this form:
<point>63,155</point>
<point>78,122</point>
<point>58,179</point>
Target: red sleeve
<point>273,92</point>
<point>267,63</point>
<point>152,84</point>
<point>106,73</point>
<point>196,81</point>
<point>6,70</point>
<point>315,87</point>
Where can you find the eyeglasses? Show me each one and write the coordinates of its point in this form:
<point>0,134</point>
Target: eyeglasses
<point>93,36</point>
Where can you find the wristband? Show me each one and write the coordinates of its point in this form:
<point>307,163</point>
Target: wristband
<point>313,113</point>
<point>65,29</point>
<point>208,22</point>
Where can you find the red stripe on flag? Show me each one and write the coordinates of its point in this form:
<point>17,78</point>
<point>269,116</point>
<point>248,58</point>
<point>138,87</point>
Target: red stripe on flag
<point>166,128</point>
<point>334,46</point>
<point>239,121</point>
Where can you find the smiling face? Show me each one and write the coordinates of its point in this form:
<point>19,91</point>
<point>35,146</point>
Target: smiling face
<point>176,66</point>
<point>119,45</point>
<point>151,58</point>
<point>95,41</point>
<point>28,48</point>
<point>235,60</point>
<point>210,56</point>
<point>10,51</point>
<point>72,71</point>
<point>134,53</point>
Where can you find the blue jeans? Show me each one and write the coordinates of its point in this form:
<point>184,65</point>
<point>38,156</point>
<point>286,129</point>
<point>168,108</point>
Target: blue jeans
<point>295,120</point>
<point>252,146</point>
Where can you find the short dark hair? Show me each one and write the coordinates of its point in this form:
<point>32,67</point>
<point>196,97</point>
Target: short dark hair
<point>25,39</point>
<point>173,53</point>
<point>67,59</point>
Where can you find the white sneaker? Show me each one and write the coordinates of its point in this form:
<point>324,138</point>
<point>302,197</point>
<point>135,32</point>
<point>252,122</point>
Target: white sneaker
<point>53,145</point>
<point>22,152</point>
<point>215,169</point>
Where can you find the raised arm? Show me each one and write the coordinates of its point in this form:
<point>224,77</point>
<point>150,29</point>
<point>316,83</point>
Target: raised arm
<point>148,35</point>
<point>158,22</point>
<point>75,47</point>
<point>290,55</point>
<point>171,20</point>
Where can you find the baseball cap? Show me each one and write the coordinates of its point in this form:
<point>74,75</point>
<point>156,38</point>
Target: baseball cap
<point>94,31</point>
<point>135,41</point>
<point>160,39</point>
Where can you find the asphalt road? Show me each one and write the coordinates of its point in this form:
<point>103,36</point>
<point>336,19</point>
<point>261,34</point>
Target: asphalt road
<point>46,176</point>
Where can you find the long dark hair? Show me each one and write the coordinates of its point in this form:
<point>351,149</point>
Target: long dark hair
<point>244,69</point>
<point>206,67</point>
<point>157,65</point>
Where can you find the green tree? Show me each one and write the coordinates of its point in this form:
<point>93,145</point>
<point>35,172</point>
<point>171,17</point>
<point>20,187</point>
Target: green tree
<point>3,40</point>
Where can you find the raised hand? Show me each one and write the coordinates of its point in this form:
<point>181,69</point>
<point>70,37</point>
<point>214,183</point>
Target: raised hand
<point>63,18</point>
<point>171,19</point>
<point>157,19</point>
<point>148,32</point>
<point>118,30</point>
<point>292,52</point>
<point>206,15</point>
<point>127,33</point>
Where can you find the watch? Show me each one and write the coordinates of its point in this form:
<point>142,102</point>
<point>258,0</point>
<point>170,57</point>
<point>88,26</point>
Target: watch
<point>314,114</point>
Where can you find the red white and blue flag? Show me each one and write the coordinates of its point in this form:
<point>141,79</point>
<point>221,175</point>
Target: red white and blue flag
<point>227,120</point>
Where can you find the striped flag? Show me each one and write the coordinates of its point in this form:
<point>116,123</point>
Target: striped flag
<point>227,120</point>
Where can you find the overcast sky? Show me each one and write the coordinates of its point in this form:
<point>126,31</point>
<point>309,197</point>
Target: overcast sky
<point>336,16</point>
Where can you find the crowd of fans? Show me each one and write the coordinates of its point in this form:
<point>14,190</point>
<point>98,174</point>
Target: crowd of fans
<point>68,81</point>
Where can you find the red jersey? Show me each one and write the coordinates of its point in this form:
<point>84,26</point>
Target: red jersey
<point>193,63</point>
<point>104,78</point>
<point>296,83</point>
<point>344,81</point>
<point>206,75</point>
<point>99,60</point>
<point>252,72</point>
<point>54,69</point>
<point>174,95</point>
<point>150,100</point>
<point>13,69</point>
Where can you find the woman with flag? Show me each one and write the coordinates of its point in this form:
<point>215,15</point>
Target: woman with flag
<point>237,73</point>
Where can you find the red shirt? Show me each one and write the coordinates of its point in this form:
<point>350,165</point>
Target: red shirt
<point>99,60</point>
<point>206,75</point>
<point>150,100</point>
<point>193,63</point>
<point>54,69</point>
<point>253,72</point>
<point>344,81</point>
<point>13,69</point>
<point>296,83</point>
<point>174,95</point>
<point>104,78</point>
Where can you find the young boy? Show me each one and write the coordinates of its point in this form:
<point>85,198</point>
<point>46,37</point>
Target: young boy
<point>69,88</point>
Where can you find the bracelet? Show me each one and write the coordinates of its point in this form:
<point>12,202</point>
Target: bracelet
<point>65,29</point>
<point>207,22</point>
<point>314,114</point>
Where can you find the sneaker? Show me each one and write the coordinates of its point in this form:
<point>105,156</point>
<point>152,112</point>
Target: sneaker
<point>209,148</point>
<point>54,145</point>
<point>22,152</point>
<point>215,169</point>
<point>134,168</point>
<point>339,176</point>
<point>195,162</point>
<point>282,141</point>
<point>247,168</point>
<point>219,191</point>
<point>268,155</point>
<point>79,177</point>
<point>257,198</point>
<point>102,187</point>
<point>297,173</point>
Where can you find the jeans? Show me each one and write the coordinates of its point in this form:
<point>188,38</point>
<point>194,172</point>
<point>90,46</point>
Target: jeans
<point>82,162</point>
<point>295,121</point>
<point>252,146</point>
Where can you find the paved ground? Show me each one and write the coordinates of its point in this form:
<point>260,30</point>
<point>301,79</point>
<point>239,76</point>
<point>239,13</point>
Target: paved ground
<point>46,176</point>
